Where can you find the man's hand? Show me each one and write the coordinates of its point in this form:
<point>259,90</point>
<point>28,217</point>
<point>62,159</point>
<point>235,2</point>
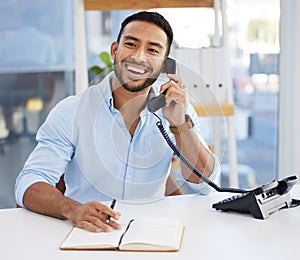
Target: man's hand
<point>174,110</point>
<point>45,199</point>
<point>92,216</point>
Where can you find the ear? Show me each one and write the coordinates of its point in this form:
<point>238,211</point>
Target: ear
<point>113,49</point>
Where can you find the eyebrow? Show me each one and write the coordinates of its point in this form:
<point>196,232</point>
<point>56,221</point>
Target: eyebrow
<point>129,37</point>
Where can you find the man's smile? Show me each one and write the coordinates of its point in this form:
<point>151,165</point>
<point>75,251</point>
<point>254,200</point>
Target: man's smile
<point>136,71</point>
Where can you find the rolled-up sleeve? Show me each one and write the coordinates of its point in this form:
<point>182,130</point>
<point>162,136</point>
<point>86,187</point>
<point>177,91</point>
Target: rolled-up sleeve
<point>54,150</point>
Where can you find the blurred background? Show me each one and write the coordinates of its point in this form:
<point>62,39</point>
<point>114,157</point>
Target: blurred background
<point>37,70</point>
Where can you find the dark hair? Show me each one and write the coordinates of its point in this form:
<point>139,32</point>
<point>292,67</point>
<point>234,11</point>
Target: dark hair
<point>150,17</point>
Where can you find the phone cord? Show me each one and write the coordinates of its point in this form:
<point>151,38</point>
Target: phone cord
<point>189,165</point>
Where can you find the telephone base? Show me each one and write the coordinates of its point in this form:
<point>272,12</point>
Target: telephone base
<point>262,201</point>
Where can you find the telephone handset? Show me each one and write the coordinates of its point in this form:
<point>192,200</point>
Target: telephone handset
<point>155,103</point>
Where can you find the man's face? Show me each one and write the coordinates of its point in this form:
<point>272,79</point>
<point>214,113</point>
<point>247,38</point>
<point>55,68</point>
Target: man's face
<point>139,56</point>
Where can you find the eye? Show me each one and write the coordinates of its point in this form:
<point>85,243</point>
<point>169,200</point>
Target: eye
<point>129,44</point>
<point>154,51</point>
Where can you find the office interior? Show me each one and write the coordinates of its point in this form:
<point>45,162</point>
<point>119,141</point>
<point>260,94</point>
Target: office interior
<point>37,70</point>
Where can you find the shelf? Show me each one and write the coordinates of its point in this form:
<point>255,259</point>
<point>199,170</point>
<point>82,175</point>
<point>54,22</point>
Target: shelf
<point>215,110</point>
<point>142,5</point>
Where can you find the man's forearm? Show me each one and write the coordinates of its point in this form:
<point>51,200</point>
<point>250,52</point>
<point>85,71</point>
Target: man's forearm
<point>193,150</point>
<point>48,200</point>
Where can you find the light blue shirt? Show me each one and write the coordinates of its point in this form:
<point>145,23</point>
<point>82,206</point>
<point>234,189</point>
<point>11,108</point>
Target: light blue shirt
<point>85,138</point>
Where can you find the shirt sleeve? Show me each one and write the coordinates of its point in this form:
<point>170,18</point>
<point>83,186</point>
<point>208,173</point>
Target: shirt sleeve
<point>54,150</point>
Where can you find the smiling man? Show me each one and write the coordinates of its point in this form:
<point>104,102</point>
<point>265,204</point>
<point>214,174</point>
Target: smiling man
<point>105,141</point>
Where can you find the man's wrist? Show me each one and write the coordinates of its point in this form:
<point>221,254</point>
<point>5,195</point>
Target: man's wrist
<point>187,125</point>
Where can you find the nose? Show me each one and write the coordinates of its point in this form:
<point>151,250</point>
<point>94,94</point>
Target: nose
<point>139,55</point>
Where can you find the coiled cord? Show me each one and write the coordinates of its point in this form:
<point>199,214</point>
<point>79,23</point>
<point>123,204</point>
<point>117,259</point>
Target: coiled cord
<point>164,133</point>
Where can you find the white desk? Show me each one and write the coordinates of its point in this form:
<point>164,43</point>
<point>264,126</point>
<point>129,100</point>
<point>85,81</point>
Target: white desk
<point>209,234</point>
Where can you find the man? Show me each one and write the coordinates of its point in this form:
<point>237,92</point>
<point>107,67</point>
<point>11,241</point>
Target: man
<point>105,140</point>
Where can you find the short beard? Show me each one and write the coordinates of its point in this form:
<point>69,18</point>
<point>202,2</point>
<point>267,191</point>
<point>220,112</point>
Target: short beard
<point>147,83</point>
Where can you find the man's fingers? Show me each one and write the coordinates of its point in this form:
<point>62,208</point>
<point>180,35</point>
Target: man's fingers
<point>88,226</point>
<point>114,224</point>
<point>96,225</point>
<point>92,216</point>
<point>175,78</point>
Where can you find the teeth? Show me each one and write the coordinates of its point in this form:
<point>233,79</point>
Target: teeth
<point>136,69</point>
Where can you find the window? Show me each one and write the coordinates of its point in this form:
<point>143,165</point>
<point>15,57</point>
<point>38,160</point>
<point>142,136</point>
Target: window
<point>36,71</point>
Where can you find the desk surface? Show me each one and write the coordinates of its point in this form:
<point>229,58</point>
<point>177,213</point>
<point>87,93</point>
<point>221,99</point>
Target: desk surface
<point>209,234</point>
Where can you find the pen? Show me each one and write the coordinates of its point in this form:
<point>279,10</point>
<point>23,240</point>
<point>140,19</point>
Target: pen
<point>112,207</point>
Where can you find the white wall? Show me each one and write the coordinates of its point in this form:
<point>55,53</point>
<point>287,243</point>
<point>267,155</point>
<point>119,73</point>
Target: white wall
<point>289,115</point>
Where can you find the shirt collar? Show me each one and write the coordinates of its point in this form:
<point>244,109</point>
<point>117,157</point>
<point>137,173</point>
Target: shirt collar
<point>105,88</point>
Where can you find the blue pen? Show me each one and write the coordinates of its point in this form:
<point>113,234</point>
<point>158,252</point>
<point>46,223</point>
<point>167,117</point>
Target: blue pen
<point>112,207</point>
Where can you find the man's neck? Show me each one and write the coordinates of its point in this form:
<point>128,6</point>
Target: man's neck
<point>130,104</point>
<point>124,99</point>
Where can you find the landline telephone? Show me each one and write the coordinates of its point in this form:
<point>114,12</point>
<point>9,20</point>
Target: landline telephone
<point>260,202</point>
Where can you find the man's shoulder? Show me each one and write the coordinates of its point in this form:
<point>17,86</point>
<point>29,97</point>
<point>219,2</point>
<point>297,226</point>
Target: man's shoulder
<point>68,102</point>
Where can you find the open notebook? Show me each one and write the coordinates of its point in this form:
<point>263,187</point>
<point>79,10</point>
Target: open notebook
<point>146,234</point>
